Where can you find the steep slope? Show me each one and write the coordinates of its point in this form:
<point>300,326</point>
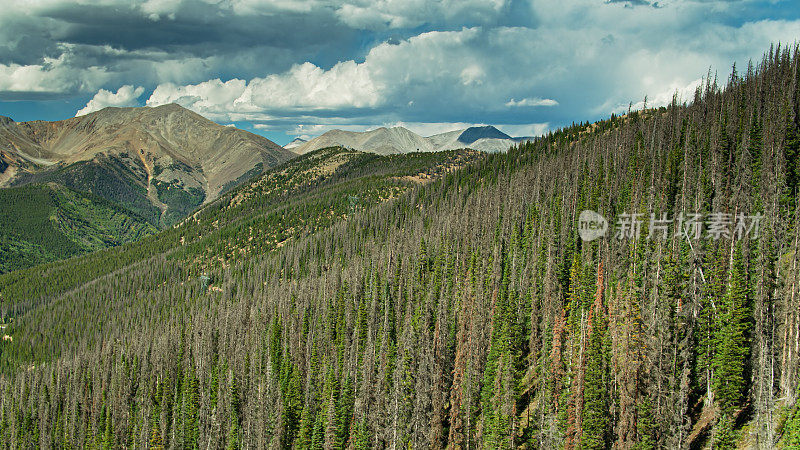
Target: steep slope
<point>160,162</point>
<point>401,140</point>
<point>297,142</point>
<point>472,134</point>
<point>446,139</point>
<point>43,223</point>
<point>486,139</point>
<point>297,198</point>
<point>466,312</point>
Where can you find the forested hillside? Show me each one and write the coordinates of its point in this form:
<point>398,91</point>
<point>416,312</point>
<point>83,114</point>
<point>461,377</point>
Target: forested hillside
<point>465,312</point>
<point>43,223</point>
<point>296,199</point>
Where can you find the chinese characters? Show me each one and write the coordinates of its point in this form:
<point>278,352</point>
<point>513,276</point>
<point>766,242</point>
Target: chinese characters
<point>692,226</point>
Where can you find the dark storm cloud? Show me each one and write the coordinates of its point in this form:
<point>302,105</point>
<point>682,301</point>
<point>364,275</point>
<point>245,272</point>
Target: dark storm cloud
<point>190,41</point>
<point>129,30</point>
<point>199,29</point>
<point>26,40</point>
<point>234,45</point>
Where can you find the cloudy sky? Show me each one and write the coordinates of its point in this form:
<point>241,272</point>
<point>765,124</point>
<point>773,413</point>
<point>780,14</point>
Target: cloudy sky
<point>286,68</point>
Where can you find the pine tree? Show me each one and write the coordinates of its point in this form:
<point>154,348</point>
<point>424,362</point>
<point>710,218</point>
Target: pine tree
<point>724,436</point>
<point>500,390</point>
<point>708,321</point>
<point>108,430</point>
<point>318,434</point>
<point>275,346</point>
<point>791,440</point>
<point>234,415</point>
<point>595,420</point>
<point>726,154</point>
<point>755,149</point>
<point>732,345</point>
<point>191,407</point>
<point>645,426</point>
<point>791,157</point>
<point>156,442</point>
<point>344,413</point>
<point>292,391</point>
<point>305,433</point>
<point>574,294</point>
<point>362,440</point>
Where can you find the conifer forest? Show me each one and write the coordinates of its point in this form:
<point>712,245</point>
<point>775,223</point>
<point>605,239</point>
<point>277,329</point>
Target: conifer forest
<point>346,300</point>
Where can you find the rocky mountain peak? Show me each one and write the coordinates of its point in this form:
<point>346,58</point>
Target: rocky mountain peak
<point>472,134</point>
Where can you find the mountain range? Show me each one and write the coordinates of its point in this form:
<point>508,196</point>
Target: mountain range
<point>386,141</point>
<point>119,174</point>
<point>160,163</point>
<point>353,300</point>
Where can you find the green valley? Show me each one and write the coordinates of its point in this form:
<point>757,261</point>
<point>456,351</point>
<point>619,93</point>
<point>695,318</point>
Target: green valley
<point>43,223</point>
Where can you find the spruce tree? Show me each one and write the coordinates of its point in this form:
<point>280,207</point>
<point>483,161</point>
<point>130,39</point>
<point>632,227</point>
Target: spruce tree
<point>191,407</point>
<point>725,436</point>
<point>595,418</point>
<point>362,440</point>
<point>755,149</point>
<point>791,157</point>
<point>732,344</point>
<point>292,392</point>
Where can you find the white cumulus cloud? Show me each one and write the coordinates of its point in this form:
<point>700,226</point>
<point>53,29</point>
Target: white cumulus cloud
<point>525,130</point>
<point>304,86</point>
<point>206,96</point>
<point>347,84</point>
<point>52,76</point>
<point>532,101</point>
<point>125,96</point>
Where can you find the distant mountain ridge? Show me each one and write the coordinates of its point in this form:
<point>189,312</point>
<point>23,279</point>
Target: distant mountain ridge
<point>295,143</point>
<point>386,141</point>
<point>473,134</point>
<point>159,162</point>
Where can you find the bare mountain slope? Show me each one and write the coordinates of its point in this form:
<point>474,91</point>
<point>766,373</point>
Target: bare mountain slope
<point>297,142</point>
<point>383,141</point>
<point>401,140</point>
<point>162,162</point>
<point>486,139</point>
